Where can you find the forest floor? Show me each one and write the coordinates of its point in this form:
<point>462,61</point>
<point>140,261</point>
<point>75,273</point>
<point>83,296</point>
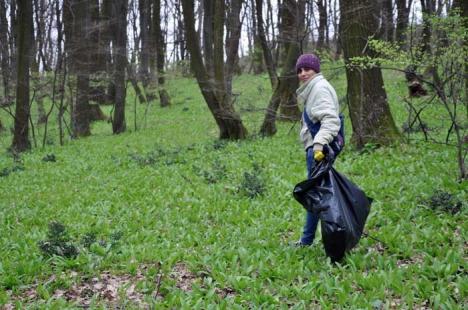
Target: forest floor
<point>167,216</point>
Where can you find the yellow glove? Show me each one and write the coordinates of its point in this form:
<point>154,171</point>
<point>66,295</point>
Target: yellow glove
<point>318,152</point>
<point>318,155</point>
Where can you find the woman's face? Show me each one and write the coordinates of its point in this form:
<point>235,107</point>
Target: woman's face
<point>305,74</point>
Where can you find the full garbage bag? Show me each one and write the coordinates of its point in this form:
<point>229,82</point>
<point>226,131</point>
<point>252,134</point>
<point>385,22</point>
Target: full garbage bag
<point>340,204</point>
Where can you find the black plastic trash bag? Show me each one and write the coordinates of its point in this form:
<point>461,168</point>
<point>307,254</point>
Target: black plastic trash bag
<point>341,206</point>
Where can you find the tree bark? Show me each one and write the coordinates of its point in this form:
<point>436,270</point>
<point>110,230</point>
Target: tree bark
<point>120,8</point>
<point>403,10</point>
<point>370,114</point>
<point>145,21</point>
<point>4,51</point>
<point>25,26</point>
<point>293,30</point>
<point>267,55</point>
<point>386,30</point>
<point>228,121</point>
<point>207,38</point>
<point>80,119</point>
<point>256,52</point>
<point>12,42</point>
<point>106,61</point>
<point>428,8</point>
<point>233,27</point>
<point>164,99</point>
<point>323,23</point>
<point>284,94</point>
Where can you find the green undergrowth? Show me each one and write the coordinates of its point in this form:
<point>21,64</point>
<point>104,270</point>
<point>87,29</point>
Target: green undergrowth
<point>175,195</point>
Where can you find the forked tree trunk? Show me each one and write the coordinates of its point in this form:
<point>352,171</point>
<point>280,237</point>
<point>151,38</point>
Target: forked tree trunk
<point>369,110</point>
<point>228,121</point>
<point>284,95</point>
<point>281,93</point>
<point>25,25</point>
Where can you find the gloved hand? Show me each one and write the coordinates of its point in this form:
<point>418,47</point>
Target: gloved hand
<point>318,152</point>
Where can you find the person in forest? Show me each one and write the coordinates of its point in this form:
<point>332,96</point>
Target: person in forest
<point>321,123</point>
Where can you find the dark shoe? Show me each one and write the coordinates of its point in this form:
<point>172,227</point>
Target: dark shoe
<point>301,244</point>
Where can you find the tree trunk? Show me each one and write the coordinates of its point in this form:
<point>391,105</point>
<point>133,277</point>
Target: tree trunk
<point>120,52</point>
<point>368,107</point>
<point>80,113</point>
<point>207,38</point>
<point>282,92</point>
<point>25,26</point>
<point>4,51</point>
<point>338,28</point>
<point>106,61</point>
<point>233,27</point>
<point>293,29</point>
<point>12,42</point>
<point>386,30</point>
<point>37,55</point>
<point>164,99</point>
<point>323,23</point>
<point>256,52</point>
<point>463,7</point>
<point>267,55</point>
<point>403,10</point>
<point>145,20</point>
<point>228,121</point>
<point>428,9</point>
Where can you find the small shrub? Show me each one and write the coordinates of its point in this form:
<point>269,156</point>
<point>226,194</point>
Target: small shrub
<point>219,144</point>
<point>252,184</point>
<point>144,160</point>
<point>217,172</point>
<point>88,239</point>
<point>7,171</point>
<point>58,242</point>
<point>443,201</point>
<point>369,148</point>
<point>166,157</point>
<point>49,158</point>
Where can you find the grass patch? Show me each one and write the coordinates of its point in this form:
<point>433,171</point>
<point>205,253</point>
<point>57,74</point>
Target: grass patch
<point>204,223</point>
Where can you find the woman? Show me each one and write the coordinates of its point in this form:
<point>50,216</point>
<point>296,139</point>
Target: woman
<point>320,125</point>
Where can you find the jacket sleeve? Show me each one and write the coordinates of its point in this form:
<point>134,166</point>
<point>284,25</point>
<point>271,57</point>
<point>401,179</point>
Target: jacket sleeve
<point>325,111</point>
<point>305,135</point>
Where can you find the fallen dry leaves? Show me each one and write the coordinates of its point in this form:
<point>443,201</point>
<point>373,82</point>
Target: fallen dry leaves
<point>112,289</point>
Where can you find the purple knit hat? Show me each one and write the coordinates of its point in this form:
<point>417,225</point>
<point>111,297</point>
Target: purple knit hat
<point>308,61</point>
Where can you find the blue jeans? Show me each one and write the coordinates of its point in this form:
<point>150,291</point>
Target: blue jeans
<point>311,221</point>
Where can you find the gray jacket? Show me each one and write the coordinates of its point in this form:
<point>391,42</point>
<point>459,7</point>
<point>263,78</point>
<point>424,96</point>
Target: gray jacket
<point>321,105</point>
